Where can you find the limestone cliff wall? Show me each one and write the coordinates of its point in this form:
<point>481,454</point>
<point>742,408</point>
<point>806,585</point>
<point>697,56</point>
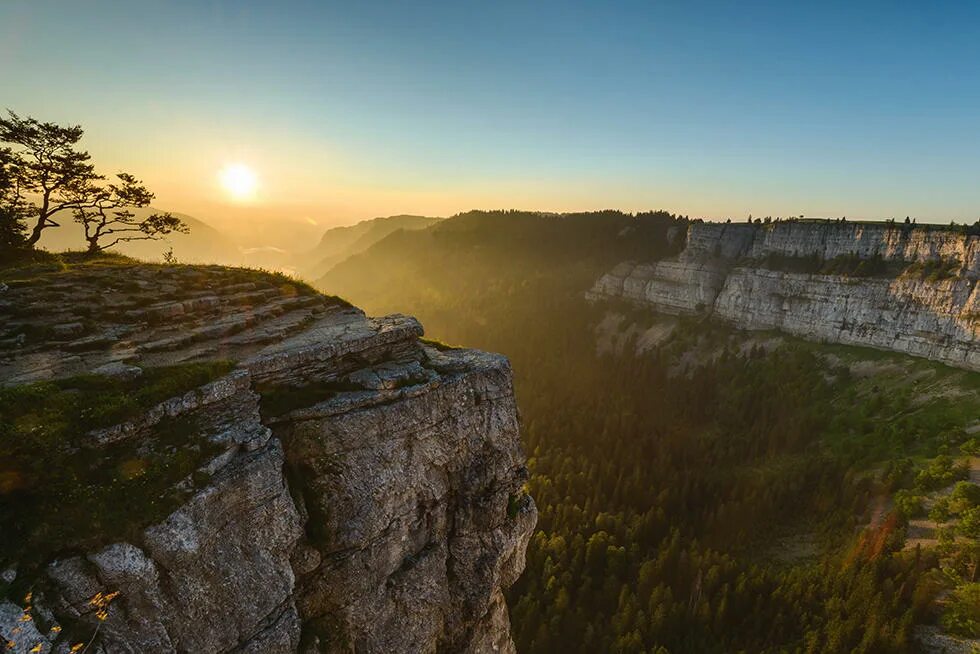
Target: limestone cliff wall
<point>364,493</point>
<point>828,240</point>
<point>719,274</point>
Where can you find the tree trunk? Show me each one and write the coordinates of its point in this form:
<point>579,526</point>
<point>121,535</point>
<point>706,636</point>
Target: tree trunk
<point>42,219</point>
<point>36,233</point>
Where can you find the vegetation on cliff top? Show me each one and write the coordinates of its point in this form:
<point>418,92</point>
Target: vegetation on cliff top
<point>852,265</point>
<point>57,495</point>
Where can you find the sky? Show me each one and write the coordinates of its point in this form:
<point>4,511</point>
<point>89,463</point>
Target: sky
<point>350,110</point>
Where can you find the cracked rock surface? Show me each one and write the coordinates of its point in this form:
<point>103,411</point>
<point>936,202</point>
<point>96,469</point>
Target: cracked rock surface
<point>363,491</point>
<point>718,274</point>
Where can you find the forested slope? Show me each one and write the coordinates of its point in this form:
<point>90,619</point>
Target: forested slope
<point>721,492</point>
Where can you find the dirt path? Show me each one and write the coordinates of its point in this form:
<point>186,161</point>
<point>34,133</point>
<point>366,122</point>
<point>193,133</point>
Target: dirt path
<point>880,508</point>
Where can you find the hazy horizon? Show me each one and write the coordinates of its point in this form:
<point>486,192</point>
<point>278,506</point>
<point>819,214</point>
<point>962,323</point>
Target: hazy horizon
<point>343,112</point>
<point>388,327</point>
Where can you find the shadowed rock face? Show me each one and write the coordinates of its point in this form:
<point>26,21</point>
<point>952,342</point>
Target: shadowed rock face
<point>421,565</point>
<point>366,495</point>
<point>828,240</point>
<point>717,274</point>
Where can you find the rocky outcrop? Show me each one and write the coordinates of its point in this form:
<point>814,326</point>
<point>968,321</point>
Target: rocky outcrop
<point>725,271</point>
<point>420,566</point>
<point>830,239</point>
<point>362,491</point>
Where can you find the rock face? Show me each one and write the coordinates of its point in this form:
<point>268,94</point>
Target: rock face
<point>828,240</point>
<point>365,494</point>
<point>725,271</point>
<point>420,567</point>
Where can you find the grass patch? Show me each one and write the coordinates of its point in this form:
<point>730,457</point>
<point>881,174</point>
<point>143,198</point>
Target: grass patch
<point>32,267</point>
<point>933,270</point>
<point>32,263</point>
<point>902,412</point>
<point>963,615</point>
<point>16,259</point>
<point>845,265</point>
<point>67,500</point>
<point>853,265</point>
<point>280,400</point>
<point>439,345</point>
<point>53,414</point>
<point>56,496</point>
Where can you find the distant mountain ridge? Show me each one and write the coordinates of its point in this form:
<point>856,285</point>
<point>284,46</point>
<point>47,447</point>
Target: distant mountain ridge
<point>203,244</point>
<point>341,242</point>
<point>207,244</point>
<point>471,256</point>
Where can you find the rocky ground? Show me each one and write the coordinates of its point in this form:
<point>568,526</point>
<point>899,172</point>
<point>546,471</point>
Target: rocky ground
<point>59,321</point>
<point>352,487</point>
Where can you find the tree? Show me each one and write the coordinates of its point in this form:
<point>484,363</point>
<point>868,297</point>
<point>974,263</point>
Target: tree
<point>47,174</point>
<point>106,215</point>
<point>46,164</point>
<point>11,231</point>
<point>12,210</point>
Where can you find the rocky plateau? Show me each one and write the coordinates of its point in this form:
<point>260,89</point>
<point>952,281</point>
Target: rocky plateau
<point>362,491</point>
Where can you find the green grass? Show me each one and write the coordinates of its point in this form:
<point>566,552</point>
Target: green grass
<point>32,263</point>
<point>852,265</point>
<point>280,400</point>
<point>905,407</point>
<point>53,414</point>
<point>845,265</point>
<point>912,408</point>
<point>57,496</point>
<point>439,345</point>
<point>933,270</point>
<point>963,615</point>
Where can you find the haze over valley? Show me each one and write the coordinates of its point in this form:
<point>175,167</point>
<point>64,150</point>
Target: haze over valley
<point>378,328</point>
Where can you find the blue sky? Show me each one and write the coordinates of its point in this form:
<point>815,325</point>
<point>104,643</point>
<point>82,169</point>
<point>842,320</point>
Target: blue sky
<point>353,109</point>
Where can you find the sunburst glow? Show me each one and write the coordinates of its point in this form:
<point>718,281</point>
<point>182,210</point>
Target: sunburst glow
<point>239,181</point>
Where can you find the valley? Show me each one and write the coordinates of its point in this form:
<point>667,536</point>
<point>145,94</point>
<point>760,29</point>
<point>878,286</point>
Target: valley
<point>709,475</point>
<point>489,328</point>
<point>701,488</point>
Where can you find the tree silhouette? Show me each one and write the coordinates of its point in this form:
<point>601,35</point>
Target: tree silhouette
<point>12,209</point>
<point>46,174</point>
<point>108,215</point>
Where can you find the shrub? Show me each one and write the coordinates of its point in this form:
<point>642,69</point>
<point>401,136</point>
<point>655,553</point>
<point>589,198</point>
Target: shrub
<point>909,503</point>
<point>933,270</point>
<point>941,472</point>
<point>962,616</point>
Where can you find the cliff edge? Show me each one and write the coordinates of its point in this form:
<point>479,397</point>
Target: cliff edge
<point>909,289</point>
<point>215,459</point>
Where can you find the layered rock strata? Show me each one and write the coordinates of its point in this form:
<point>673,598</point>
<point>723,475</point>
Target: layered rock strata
<point>362,492</point>
<point>722,273</point>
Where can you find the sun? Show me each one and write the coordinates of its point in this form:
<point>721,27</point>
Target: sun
<point>238,180</point>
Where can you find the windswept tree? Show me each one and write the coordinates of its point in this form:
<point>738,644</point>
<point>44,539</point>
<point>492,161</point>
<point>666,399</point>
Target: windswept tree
<point>108,217</point>
<point>46,174</point>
